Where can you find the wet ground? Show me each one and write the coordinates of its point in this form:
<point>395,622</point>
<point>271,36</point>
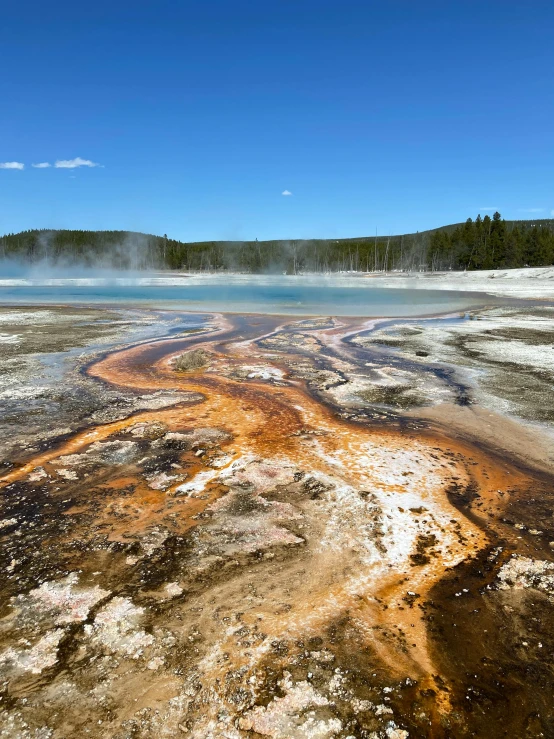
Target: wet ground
<point>281,542</point>
<point>43,390</point>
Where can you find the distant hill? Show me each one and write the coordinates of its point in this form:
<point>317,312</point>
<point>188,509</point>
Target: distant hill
<point>483,243</point>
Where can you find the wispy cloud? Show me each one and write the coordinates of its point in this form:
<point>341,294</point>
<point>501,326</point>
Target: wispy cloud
<point>530,210</point>
<point>486,209</point>
<point>59,164</point>
<point>74,163</point>
<point>12,165</point>
<point>552,212</point>
<point>286,192</point>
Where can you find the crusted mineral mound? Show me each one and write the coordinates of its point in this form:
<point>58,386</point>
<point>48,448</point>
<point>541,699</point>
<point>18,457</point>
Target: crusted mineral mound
<point>192,360</point>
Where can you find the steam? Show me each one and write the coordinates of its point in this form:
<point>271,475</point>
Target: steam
<point>41,254</point>
<point>133,254</point>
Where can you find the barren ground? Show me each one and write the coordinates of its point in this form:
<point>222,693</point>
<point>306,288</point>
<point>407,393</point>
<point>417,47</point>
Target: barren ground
<point>325,528</point>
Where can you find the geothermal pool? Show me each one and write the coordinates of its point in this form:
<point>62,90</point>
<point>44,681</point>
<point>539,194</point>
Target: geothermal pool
<point>342,296</point>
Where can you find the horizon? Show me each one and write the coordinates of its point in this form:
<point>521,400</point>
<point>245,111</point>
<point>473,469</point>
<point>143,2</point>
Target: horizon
<point>285,239</point>
<point>215,123</point>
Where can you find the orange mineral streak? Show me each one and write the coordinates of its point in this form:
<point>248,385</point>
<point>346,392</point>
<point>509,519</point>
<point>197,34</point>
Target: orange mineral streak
<point>264,419</point>
<point>270,422</point>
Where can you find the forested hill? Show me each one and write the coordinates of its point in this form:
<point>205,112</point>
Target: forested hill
<point>483,243</point>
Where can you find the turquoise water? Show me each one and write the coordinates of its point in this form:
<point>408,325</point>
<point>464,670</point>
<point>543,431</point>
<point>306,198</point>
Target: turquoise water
<point>285,295</point>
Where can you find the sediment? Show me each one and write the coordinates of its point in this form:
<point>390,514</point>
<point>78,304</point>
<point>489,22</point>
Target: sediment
<point>288,549</point>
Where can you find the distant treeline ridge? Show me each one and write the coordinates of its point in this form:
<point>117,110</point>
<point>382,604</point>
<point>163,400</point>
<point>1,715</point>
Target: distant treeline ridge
<point>483,243</point>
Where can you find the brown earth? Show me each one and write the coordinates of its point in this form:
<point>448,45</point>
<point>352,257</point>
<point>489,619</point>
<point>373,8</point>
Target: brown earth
<point>249,563</point>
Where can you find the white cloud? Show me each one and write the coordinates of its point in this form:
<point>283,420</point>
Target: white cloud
<point>530,210</point>
<point>74,163</point>
<point>286,192</point>
<point>552,212</point>
<point>12,165</point>
<point>41,165</point>
<point>485,209</point>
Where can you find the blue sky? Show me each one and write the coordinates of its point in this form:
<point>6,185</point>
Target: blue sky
<point>395,116</point>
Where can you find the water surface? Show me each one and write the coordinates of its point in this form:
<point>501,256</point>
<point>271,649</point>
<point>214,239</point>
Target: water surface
<point>242,294</point>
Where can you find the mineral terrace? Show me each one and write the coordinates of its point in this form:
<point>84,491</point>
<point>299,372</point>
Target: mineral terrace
<point>246,527</point>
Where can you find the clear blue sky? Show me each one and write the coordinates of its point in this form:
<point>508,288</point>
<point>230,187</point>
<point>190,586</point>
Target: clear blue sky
<point>395,116</point>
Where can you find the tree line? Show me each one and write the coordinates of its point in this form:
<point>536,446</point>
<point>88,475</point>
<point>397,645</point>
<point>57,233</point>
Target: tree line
<point>492,243</point>
<point>483,243</point>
